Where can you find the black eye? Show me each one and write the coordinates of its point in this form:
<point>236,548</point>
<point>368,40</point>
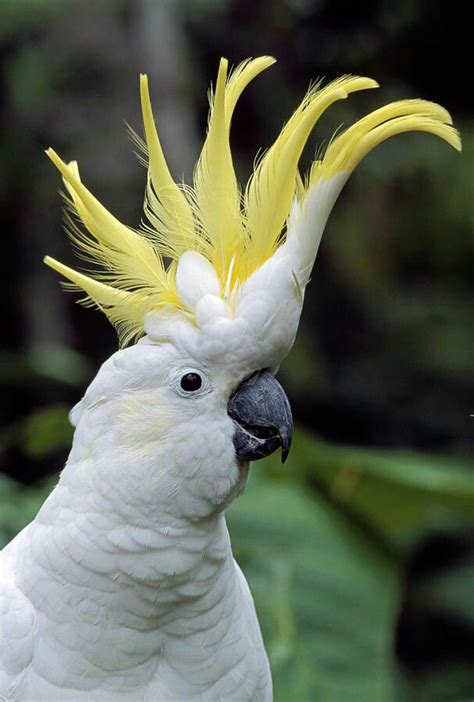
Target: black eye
<point>191,382</point>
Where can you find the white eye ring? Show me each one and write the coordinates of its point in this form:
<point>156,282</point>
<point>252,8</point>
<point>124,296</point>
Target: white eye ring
<point>190,382</point>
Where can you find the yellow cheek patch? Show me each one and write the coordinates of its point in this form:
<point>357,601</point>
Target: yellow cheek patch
<point>142,422</point>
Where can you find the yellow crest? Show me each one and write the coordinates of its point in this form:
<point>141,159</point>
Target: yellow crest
<point>237,231</point>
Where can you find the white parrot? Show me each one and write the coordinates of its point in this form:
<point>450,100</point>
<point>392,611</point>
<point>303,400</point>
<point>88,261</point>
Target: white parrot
<point>124,587</point>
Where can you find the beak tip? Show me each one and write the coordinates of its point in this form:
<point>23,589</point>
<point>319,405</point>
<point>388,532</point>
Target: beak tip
<point>262,418</point>
<point>286,435</point>
<point>285,450</point>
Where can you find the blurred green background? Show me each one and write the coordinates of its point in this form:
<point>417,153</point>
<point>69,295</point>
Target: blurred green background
<point>359,551</point>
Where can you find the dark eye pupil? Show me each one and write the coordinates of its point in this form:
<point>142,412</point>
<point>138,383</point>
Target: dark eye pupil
<point>191,382</point>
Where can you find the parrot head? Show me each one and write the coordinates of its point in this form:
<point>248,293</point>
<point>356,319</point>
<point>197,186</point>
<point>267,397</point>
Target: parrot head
<point>211,287</point>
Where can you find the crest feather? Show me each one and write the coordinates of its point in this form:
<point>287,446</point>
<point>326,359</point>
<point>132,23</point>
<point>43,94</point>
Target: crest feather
<point>235,233</point>
<point>126,256</point>
<point>166,205</point>
<point>216,189</point>
<point>348,149</point>
<point>272,186</point>
<point>125,310</point>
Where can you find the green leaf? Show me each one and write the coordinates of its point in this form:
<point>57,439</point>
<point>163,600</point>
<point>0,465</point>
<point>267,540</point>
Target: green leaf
<point>451,683</point>
<point>327,597</point>
<point>399,494</point>
<point>449,591</point>
<point>45,431</point>
<point>21,15</point>
<point>19,505</point>
<point>51,362</point>
<point>59,363</point>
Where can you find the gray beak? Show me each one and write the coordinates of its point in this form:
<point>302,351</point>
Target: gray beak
<point>262,418</point>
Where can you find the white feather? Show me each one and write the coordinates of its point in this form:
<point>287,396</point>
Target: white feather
<point>307,222</point>
<point>124,587</point>
<point>195,277</point>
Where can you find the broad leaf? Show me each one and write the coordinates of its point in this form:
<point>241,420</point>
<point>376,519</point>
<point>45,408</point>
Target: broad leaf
<point>327,597</point>
<point>400,494</point>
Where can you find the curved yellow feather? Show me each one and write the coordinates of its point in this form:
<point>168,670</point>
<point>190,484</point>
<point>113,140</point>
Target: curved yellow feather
<point>217,192</point>
<point>128,254</point>
<point>272,186</point>
<point>166,205</point>
<point>103,295</point>
<point>237,237</point>
<point>348,149</point>
<point>239,78</point>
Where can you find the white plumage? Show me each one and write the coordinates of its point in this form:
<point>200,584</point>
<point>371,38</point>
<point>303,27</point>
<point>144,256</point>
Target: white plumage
<point>124,586</point>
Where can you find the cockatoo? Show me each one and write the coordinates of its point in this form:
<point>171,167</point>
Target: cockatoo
<point>124,587</point>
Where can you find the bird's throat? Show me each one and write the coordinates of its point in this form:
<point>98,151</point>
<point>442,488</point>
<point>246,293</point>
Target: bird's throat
<point>126,590</point>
